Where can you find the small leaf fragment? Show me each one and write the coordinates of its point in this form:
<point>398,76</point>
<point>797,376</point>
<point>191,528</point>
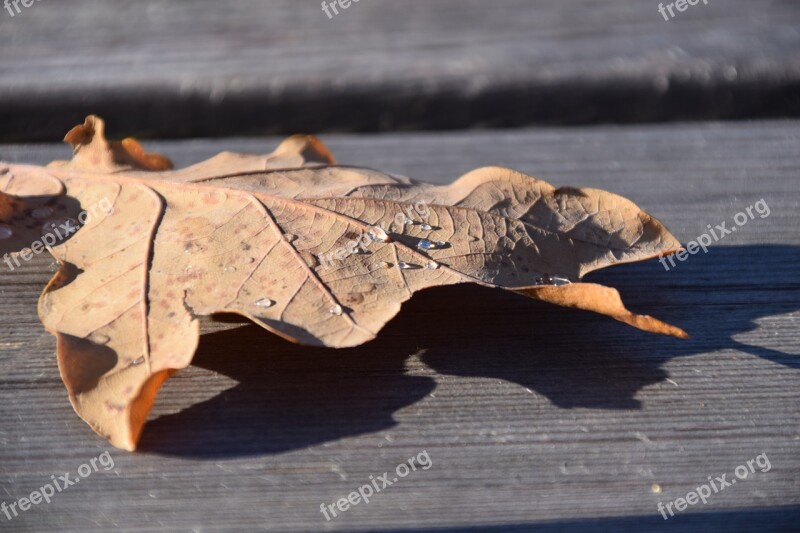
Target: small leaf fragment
<point>92,152</point>
<point>603,300</point>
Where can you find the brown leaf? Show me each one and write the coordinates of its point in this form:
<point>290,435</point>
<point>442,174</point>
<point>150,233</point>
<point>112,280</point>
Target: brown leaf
<point>603,300</point>
<point>317,253</point>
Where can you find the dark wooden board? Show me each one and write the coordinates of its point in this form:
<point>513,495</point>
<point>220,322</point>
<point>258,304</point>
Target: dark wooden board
<point>532,415</point>
<point>188,69</point>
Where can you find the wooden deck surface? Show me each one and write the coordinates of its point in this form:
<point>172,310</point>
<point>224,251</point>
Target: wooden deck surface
<point>210,68</point>
<point>533,416</point>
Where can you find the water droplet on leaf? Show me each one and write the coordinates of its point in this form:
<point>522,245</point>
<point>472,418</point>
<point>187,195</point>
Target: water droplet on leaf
<point>265,303</point>
<point>335,310</point>
<point>100,338</point>
<point>552,280</point>
<point>377,234</point>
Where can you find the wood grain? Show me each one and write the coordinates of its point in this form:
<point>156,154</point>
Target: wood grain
<point>164,68</point>
<point>533,416</point>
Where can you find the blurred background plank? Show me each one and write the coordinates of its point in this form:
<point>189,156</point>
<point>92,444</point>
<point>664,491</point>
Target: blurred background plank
<point>534,417</point>
<point>209,67</point>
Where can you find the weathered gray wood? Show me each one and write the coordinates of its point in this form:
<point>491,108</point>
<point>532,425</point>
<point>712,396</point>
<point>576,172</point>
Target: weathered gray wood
<point>532,415</point>
<point>207,67</point>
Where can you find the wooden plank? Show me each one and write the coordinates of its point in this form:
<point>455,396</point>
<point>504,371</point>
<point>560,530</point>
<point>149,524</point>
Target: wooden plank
<point>225,68</point>
<point>532,416</point>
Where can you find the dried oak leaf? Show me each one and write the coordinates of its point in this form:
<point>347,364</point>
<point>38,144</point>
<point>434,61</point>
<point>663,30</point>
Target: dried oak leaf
<point>272,238</point>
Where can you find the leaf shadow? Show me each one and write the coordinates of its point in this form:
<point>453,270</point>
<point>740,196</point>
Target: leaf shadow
<point>33,217</point>
<point>290,397</point>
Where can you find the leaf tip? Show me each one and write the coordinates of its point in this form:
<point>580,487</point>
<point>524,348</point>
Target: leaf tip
<point>602,300</point>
